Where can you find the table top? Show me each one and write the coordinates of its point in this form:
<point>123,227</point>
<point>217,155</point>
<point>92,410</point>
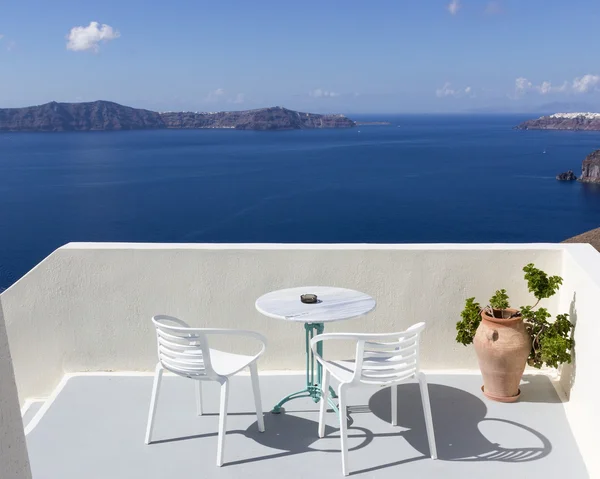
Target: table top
<point>334,304</point>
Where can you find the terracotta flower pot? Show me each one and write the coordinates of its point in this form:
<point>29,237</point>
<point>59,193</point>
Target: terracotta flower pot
<point>502,347</point>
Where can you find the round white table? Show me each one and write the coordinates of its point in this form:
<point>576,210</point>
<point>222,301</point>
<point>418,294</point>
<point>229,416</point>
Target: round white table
<point>334,304</point>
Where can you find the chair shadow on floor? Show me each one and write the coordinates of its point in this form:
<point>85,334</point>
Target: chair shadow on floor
<point>457,415</point>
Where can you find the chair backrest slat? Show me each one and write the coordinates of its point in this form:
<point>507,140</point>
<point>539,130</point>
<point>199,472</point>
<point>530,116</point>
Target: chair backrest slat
<point>406,351</point>
<point>395,362</point>
<point>382,381</point>
<point>383,372</point>
<point>180,350</point>
<point>399,345</point>
<point>388,358</point>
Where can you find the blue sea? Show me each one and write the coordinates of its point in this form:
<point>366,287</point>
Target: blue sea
<point>423,179</point>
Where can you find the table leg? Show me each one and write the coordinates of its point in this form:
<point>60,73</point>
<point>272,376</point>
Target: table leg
<point>319,367</point>
<point>313,381</point>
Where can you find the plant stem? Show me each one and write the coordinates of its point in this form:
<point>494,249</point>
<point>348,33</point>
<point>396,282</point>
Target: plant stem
<point>535,339</point>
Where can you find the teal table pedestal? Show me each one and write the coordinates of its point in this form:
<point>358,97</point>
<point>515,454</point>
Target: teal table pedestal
<point>314,372</point>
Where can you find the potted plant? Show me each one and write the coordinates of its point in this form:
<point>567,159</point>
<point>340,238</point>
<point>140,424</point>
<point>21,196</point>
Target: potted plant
<point>507,339</point>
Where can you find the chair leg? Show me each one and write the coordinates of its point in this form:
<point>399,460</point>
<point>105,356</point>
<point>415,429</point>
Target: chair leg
<point>427,412</point>
<point>153,402</point>
<point>394,401</point>
<point>222,421</point>
<point>257,401</point>
<point>199,398</point>
<point>343,428</point>
<point>324,402</point>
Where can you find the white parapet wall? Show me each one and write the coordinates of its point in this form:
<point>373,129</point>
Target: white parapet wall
<point>14,463</point>
<point>580,297</point>
<point>87,307</point>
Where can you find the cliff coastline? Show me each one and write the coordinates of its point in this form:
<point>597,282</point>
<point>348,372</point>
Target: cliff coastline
<point>563,121</point>
<point>590,168</point>
<point>109,116</point>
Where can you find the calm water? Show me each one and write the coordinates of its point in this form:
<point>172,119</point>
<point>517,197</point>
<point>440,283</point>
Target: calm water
<point>423,179</point>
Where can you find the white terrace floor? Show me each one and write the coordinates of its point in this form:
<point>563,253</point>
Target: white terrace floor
<point>95,429</point>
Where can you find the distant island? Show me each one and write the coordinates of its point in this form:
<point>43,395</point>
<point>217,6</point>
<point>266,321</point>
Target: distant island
<point>373,123</point>
<point>109,116</point>
<point>563,121</point>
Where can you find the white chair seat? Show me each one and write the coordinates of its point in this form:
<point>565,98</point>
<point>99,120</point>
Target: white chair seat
<point>342,370</point>
<point>227,364</point>
<point>222,362</point>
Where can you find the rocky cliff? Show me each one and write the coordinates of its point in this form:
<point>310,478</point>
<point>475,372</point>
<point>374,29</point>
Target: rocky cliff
<point>105,115</point>
<point>276,118</point>
<point>563,121</point>
<point>590,168</point>
<point>592,237</point>
<point>97,115</point>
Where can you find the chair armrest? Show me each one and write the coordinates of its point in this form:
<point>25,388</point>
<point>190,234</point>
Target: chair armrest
<point>236,332</point>
<point>327,337</point>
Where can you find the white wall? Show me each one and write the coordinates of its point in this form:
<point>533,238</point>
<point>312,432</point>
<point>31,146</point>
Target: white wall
<point>87,307</point>
<point>14,463</point>
<point>580,297</point>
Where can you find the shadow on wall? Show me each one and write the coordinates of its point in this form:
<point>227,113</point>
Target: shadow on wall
<point>456,416</point>
<point>568,371</point>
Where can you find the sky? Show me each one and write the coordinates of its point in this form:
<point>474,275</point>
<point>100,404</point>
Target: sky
<point>351,56</point>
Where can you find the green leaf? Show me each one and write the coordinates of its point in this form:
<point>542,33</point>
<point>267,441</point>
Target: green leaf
<point>499,300</point>
<point>471,317</point>
<point>539,283</point>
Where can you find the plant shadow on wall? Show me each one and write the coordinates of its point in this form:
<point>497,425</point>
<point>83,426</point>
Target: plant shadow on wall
<point>569,370</point>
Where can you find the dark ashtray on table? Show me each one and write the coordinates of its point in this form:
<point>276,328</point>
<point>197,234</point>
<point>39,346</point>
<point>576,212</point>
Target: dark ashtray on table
<point>308,298</point>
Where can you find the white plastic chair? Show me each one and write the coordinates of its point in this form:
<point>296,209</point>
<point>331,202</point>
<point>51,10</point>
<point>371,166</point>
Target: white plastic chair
<point>185,351</point>
<point>382,360</point>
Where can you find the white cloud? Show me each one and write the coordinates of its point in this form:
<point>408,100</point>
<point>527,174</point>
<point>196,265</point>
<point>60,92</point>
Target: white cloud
<point>239,98</point>
<point>446,90</point>
<point>320,93</point>
<point>522,85</point>
<point>220,95</point>
<point>1,36</point>
<point>454,7</point>
<point>11,45</point>
<point>215,95</point>
<point>89,38</point>
<point>545,88</point>
<point>586,83</point>
<point>493,8</point>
